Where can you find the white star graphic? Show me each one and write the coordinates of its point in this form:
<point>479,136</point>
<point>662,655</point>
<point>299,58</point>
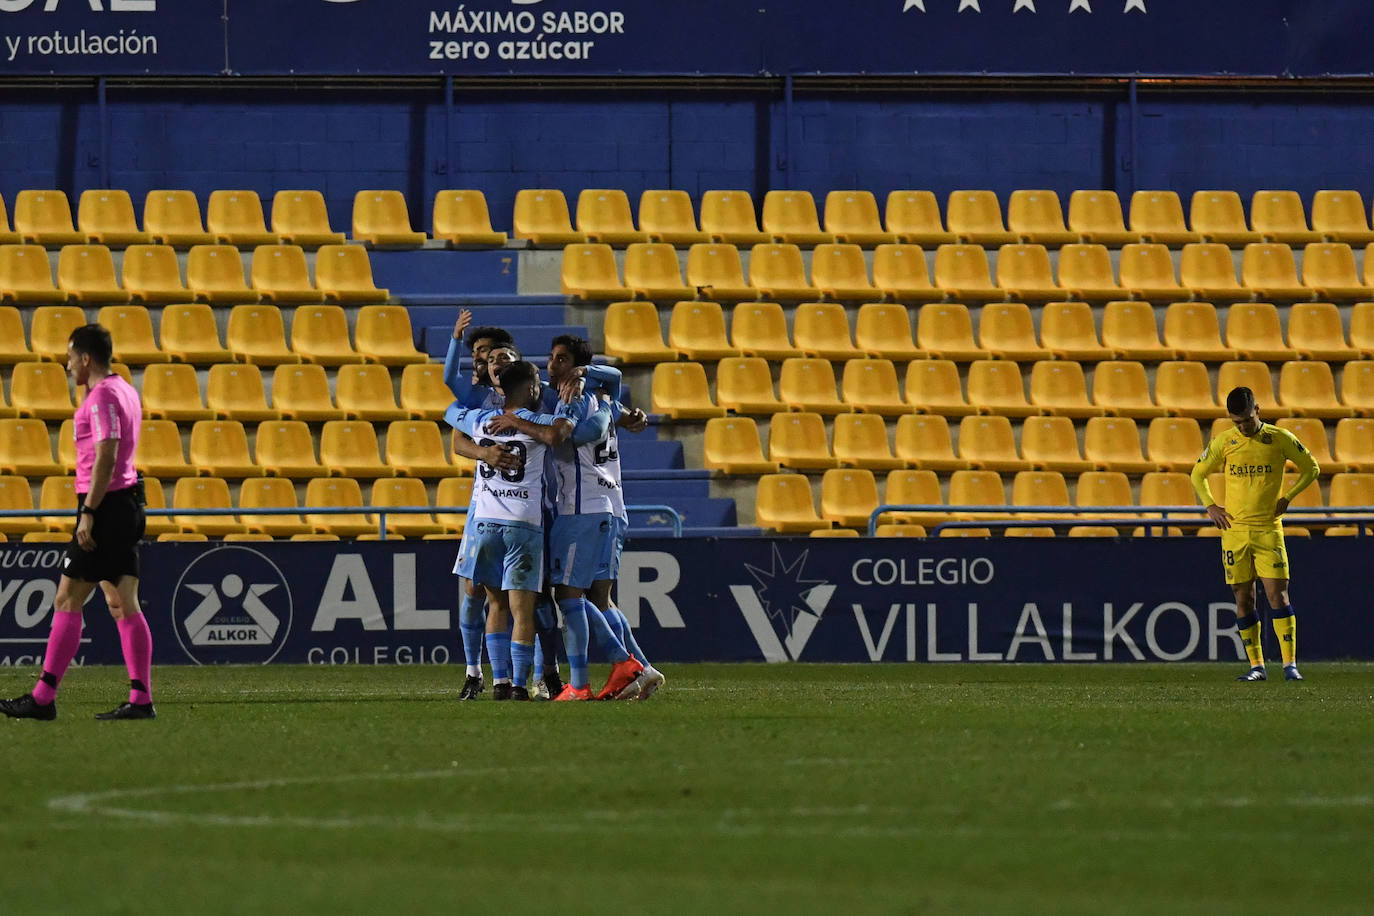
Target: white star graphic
<point>1080,5</point>
<point>914,4</point>
<point>1024,5</point>
<point>1135,5</point>
<point>969,5</point>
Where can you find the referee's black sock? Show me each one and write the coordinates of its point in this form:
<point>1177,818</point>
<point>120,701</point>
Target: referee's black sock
<point>550,645</point>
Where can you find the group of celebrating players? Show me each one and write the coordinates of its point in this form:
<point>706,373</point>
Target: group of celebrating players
<point>547,521</point>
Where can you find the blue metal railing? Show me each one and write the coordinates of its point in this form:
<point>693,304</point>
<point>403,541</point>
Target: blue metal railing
<point>1144,516</point>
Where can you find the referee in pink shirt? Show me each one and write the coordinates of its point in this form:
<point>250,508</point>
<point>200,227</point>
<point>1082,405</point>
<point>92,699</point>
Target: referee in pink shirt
<point>110,523</point>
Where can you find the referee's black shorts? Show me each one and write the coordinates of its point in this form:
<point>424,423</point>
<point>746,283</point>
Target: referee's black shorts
<point>118,527</point>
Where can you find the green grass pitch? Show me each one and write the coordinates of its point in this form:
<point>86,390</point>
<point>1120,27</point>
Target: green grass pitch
<point>744,788</point>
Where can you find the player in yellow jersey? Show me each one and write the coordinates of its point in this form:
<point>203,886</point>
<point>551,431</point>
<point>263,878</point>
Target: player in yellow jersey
<point>1251,522</point>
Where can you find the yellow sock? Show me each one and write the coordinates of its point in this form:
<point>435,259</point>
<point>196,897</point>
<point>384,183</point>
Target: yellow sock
<point>1286,629</point>
<point>1249,628</point>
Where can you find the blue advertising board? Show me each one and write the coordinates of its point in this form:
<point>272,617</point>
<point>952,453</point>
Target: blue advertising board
<point>765,599</point>
<point>112,36</point>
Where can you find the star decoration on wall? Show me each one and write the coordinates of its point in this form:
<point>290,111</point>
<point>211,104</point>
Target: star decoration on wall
<point>1084,5</point>
<point>1135,5</point>
<point>914,4</point>
<point>1024,5</point>
<point>969,5</point>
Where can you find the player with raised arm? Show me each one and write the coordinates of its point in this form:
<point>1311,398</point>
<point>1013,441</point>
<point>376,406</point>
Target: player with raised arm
<point>1251,521</point>
<point>104,547</point>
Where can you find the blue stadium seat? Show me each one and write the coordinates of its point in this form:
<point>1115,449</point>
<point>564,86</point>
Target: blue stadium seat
<point>650,455</point>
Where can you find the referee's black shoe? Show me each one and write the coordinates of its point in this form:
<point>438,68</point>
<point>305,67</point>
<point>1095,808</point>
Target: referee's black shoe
<point>471,687</point>
<point>26,707</point>
<point>129,711</point>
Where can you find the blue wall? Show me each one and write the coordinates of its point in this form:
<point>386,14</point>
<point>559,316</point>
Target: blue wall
<point>341,142</point>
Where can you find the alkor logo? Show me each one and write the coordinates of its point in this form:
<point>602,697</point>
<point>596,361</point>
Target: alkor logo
<point>96,6</point>
<point>782,610</point>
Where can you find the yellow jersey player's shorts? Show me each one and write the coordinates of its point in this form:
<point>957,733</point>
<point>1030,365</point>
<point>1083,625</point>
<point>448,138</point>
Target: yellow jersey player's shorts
<point>1247,552</point>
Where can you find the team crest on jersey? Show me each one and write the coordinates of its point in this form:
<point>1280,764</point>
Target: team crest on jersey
<point>1267,439</point>
<point>783,607</point>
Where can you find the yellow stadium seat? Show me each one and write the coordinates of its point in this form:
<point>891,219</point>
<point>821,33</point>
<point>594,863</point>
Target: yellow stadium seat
<point>1038,218</point>
<point>848,497</point>
<point>26,449</point>
<point>1311,432</point>
<point>900,273</point>
<point>634,334</point>
<point>205,493</point>
<point>107,217</point>
<point>151,274</point>
<point>790,217</point>
<point>173,218</point>
<point>1219,426</point>
<point>236,218</point>
<point>852,217</point>
<point>13,348</point>
<point>301,218</point>
<point>542,217</point>
<point>923,441</point>
<point>870,386</point>
<point>131,330</point>
<point>961,272</point>
<point>1310,498</point>
<point>834,533</point>
<point>667,216</point>
<point>51,328</point>
<point>26,278</point>
<point>976,218</point>
<point>1354,444</point>
<point>1051,444</point>
<point>745,385</point>
<point>1191,329</point>
<point>1278,216</point>
<point>461,219</point>
<point>1097,218</point>
<point>1351,490</point>
<point>680,391</point>
<point>1340,216</point>
<point>403,491</point>
<point>914,217</point>
<point>603,215</point>
<point>914,488</point>
<point>976,488</point>
<point>40,390</point>
<point>784,503</point>
<point>455,492</point>
<point>381,219</point>
<point>728,216</point>
<point>159,451</point>
<point>1157,217</point>
<point>821,329</point>
<point>45,218</point>
<point>884,331</point>
<point>301,392</point>
<point>696,330</point>
<point>1059,388</point>
<point>798,440</point>
<point>1102,489</point>
<point>1328,272</point>
<point>987,443</point>
<point>589,272</point>
<point>214,274</point>
<point>348,448</point>
<point>343,273</point>
<point>1147,271</point>
<point>385,337</point>
<point>280,275</point>
<point>652,271</point>
<point>234,392</point>
<point>715,272</point>
<point>1068,332</point>
<point>334,493</point>
<point>733,447</point>
<point>7,235</point>
<point>1024,272</point>
<point>1269,272</point>
<point>219,448</point>
<point>1085,272</point>
<point>270,493</point>
<point>424,394</point>
<point>1220,218</point>
<point>1007,331</point>
<point>1173,443</point>
<point>840,273</point>
<point>995,386</point>
<point>1254,332</point>
<point>16,494</point>
<point>861,442</point>
<point>760,329</point>
<point>1315,332</point>
<point>1256,377</point>
<point>365,393</point>
<point>776,271</point>
<point>286,449</point>
<point>1113,444</point>
<point>1308,389</point>
<point>932,386</point>
<point>256,335</point>
<point>1208,272</point>
<point>158,525</point>
<point>59,493</point>
<point>319,334</point>
<point>945,331</point>
<point>809,384</point>
<point>1167,488</point>
<point>1123,389</point>
<point>172,392</point>
<point>415,449</point>
<point>86,274</point>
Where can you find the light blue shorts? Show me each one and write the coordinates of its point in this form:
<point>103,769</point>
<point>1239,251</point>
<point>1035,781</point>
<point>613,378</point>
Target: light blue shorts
<point>582,548</point>
<point>506,555</point>
<point>622,528</point>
